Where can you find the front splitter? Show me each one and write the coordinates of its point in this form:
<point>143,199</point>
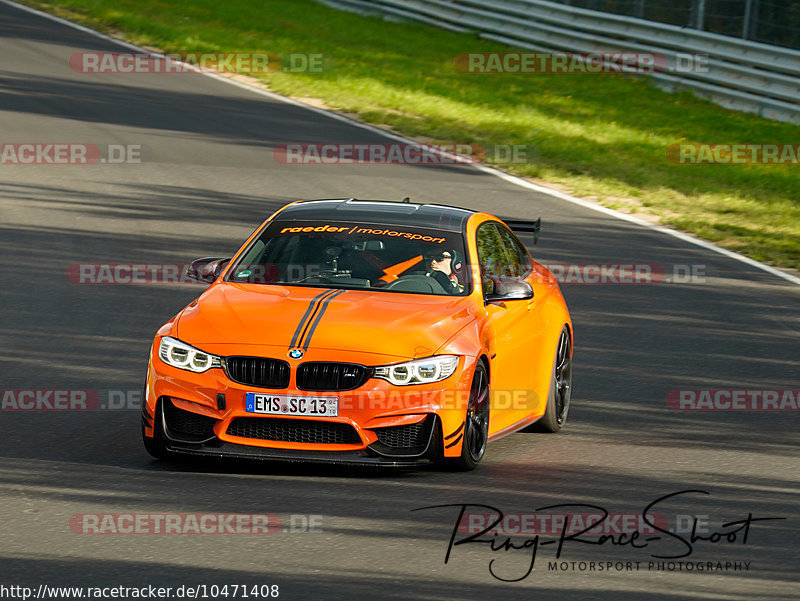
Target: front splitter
<point>219,449</point>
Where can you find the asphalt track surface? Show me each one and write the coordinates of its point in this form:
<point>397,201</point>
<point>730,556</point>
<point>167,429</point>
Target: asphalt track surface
<point>208,179</point>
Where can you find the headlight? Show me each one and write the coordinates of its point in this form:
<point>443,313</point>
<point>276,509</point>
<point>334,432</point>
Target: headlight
<point>181,355</point>
<point>419,371</point>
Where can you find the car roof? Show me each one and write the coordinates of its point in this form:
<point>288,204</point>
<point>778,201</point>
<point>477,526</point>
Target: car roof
<point>440,217</point>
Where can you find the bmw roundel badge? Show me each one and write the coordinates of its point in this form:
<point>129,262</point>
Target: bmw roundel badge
<point>295,353</point>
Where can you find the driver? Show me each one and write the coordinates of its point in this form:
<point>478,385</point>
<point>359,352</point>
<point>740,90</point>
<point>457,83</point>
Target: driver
<point>441,269</point>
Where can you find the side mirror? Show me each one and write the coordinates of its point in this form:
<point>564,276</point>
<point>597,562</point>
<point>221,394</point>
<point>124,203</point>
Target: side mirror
<point>506,289</point>
<point>207,269</point>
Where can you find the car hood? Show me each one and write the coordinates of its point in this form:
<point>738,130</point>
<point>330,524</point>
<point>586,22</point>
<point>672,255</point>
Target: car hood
<point>385,323</point>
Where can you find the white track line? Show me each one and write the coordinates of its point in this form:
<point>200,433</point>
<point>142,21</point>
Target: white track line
<point>517,181</point>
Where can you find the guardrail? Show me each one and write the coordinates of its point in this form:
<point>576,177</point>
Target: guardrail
<point>738,74</point>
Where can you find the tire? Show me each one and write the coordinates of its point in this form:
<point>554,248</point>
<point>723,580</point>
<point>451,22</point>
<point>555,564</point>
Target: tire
<point>555,414</point>
<point>155,446</point>
<point>476,423</point>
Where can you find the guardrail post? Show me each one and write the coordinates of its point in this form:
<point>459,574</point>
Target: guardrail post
<point>750,25</point>
<point>638,9</point>
<point>699,9</point>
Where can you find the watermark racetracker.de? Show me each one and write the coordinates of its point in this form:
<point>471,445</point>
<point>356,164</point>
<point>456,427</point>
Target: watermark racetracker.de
<point>129,273</point>
<point>71,153</point>
<point>627,273</point>
<point>401,153</point>
<point>583,63</point>
<point>132,63</point>
<point>70,399</point>
<point>166,524</point>
<point>685,153</point>
<point>732,399</point>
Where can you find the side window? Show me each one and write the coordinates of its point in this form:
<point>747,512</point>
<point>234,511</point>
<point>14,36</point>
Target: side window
<point>519,256</point>
<point>492,257</point>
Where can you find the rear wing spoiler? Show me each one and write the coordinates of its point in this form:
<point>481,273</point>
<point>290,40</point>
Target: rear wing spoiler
<point>533,227</point>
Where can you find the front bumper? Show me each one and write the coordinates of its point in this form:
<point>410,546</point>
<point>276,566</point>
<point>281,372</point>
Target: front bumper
<point>375,413</point>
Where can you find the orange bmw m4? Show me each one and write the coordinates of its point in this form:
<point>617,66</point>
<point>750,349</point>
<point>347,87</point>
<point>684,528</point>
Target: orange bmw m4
<point>359,331</point>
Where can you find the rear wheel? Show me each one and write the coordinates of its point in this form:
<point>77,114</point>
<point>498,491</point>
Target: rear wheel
<point>476,424</point>
<point>555,415</point>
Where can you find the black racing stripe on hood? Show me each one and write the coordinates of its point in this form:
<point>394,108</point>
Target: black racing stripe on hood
<point>323,308</point>
<point>312,306</point>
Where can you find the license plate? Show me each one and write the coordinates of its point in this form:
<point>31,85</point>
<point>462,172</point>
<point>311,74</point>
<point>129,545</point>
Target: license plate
<point>287,404</point>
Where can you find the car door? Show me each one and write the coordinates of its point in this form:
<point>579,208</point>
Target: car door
<point>511,326</point>
<point>536,358</point>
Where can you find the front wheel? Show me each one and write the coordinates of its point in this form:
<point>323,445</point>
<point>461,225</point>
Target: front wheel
<point>476,424</point>
<point>555,415</point>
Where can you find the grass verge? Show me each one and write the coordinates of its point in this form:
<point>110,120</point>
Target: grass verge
<point>603,137</point>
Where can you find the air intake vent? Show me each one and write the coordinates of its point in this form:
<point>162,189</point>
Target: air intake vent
<point>410,436</point>
<point>258,371</point>
<point>294,430</point>
<point>321,376</point>
<point>187,422</point>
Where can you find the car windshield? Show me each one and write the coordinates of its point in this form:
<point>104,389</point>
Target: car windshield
<point>335,254</point>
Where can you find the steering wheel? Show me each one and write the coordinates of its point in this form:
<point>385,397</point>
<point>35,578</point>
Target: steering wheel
<point>416,283</point>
